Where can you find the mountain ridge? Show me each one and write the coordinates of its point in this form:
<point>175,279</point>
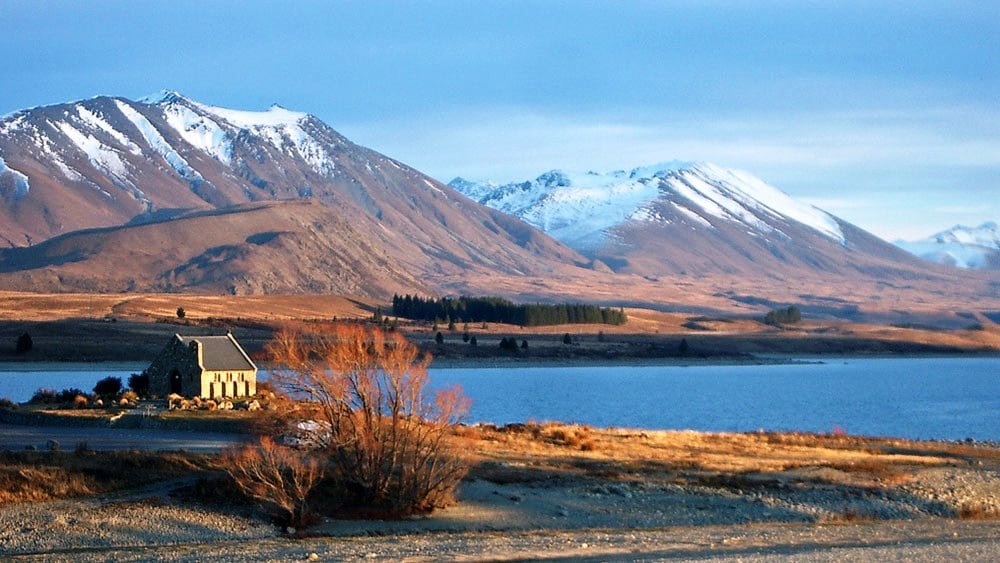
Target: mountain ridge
<point>189,197</point>
<point>109,162</point>
<point>679,217</point>
<point>976,248</point>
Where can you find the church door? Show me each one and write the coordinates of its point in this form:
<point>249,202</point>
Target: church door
<point>175,382</point>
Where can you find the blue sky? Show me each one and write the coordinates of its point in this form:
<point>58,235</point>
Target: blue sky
<point>884,113</point>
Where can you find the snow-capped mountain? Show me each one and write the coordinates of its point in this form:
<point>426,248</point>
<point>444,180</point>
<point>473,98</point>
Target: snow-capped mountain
<point>121,158</point>
<point>581,209</point>
<point>964,247</point>
<point>682,217</point>
<point>110,161</point>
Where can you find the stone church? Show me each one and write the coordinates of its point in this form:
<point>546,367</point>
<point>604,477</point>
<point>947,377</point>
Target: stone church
<point>210,367</point>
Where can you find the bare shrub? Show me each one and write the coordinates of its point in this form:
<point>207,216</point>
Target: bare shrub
<point>278,476</point>
<point>849,515</point>
<point>978,510</point>
<point>574,437</point>
<point>389,439</point>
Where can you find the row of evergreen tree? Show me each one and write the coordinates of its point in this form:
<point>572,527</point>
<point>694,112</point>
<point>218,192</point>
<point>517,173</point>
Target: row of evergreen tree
<point>787,315</point>
<point>499,310</point>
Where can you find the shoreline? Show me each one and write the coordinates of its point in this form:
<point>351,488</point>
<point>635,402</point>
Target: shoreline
<point>500,362</point>
<point>755,360</point>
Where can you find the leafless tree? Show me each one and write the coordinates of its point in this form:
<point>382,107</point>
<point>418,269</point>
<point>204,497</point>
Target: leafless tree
<point>278,476</point>
<point>388,437</point>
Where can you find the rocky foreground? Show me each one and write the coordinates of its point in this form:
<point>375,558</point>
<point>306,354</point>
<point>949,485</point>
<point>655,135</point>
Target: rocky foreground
<point>555,492</point>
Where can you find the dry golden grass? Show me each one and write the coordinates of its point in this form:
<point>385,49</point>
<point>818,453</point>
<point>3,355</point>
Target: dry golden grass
<point>40,476</point>
<point>524,451</point>
<point>270,308</point>
<point>735,323</point>
<point>849,516</point>
<point>978,511</point>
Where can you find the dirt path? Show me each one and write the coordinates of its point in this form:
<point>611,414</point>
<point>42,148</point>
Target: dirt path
<point>884,541</point>
<point>18,437</point>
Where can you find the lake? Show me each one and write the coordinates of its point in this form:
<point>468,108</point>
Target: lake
<point>941,398</point>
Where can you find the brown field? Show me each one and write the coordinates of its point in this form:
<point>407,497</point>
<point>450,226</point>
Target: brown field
<point>683,456</point>
<point>150,307</point>
<point>134,327</point>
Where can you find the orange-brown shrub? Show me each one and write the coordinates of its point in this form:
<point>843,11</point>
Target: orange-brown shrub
<point>279,477</point>
<point>976,510</point>
<point>388,438</point>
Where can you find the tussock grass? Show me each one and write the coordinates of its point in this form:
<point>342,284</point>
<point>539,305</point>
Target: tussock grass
<point>849,516</point>
<point>39,476</point>
<point>976,510</point>
<point>536,451</point>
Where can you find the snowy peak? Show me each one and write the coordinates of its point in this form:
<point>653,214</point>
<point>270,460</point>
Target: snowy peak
<point>987,234</point>
<point>961,246</point>
<point>738,196</point>
<point>161,151</point>
<point>162,97</point>
<point>213,129</point>
<point>585,209</point>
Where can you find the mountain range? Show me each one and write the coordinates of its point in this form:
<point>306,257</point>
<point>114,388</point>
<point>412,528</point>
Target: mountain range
<point>169,194</point>
<point>961,246</point>
<point>153,168</point>
<point>690,218</point>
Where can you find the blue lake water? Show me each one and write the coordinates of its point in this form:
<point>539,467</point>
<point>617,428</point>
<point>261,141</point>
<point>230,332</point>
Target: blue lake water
<point>946,398</point>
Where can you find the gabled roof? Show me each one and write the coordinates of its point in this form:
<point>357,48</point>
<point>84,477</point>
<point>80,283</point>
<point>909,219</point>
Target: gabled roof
<point>220,353</point>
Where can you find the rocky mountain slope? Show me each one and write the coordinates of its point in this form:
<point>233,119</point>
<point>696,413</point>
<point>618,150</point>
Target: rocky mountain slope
<point>691,218</point>
<point>961,246</point>
<point>168,194</point>
<point>107,162</point>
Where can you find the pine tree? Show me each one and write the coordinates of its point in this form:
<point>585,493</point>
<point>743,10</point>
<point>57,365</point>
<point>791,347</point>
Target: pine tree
<point>24,343</point>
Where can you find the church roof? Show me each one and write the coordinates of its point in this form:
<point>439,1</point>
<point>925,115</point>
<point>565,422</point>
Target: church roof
<point>220,353</point>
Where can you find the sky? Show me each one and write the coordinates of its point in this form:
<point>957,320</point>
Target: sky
<point>886,114</point>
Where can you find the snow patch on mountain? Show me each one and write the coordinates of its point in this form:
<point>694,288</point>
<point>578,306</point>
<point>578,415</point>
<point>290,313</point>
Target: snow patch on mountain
<point>20,181</point>
<point>156,141</point>
<point>199,131</point>
<point>11,123</point>
<point>472,190</point>
<point>68,172</point>
<point>692,215</point>
<point>275,116</point>
<point>99,154</point>
<point>283,130</point>
<point>960,246</point>
<point>739,196</point>
<point>95,121</point>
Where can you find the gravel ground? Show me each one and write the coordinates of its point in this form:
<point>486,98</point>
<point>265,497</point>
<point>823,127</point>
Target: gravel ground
<point>578,520</point>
